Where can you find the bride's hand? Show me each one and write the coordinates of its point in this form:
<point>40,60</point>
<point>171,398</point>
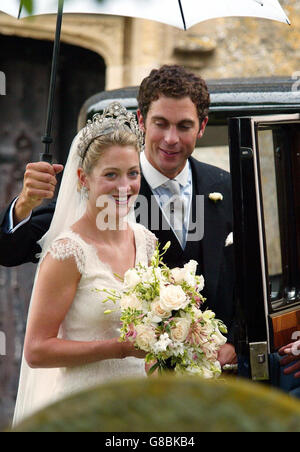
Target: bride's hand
<point>129,350</point>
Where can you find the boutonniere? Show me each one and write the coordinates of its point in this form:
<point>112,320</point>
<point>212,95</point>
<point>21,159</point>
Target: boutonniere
<point>229,240</point>
<point>216,197</point>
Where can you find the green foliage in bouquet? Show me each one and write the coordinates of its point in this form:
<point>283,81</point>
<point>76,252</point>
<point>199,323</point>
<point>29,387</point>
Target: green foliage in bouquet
<point>169,404</point>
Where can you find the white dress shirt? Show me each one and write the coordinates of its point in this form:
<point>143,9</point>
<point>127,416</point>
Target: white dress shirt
<point>8,226</point>
<point>157,182</point>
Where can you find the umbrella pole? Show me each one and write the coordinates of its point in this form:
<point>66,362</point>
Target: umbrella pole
<point>182,14</point>
<point>47,139</point>
<point>20,9</point>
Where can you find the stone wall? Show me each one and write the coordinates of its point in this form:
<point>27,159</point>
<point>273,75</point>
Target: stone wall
<point>130,47</point>
<point>242,47</point>
<point>229,47</point>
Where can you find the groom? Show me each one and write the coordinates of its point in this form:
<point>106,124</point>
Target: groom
<point>173,113</point>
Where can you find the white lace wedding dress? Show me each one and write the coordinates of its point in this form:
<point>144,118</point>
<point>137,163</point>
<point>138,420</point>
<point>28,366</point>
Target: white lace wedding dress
<point>85,321</point>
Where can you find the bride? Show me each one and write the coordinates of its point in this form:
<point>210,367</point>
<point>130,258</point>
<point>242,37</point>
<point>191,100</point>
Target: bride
<point>70,343</point>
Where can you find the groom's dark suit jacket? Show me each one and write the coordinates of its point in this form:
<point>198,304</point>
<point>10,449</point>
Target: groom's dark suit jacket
<point>216,262</point>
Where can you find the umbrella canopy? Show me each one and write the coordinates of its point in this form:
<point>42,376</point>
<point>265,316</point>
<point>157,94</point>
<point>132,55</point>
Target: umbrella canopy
<point>179,13</point>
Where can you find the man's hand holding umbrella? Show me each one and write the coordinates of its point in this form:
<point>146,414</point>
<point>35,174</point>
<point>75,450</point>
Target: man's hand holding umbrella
<point>39,184</point>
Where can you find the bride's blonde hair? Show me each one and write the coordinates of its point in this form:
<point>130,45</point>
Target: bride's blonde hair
<point>101,144</point>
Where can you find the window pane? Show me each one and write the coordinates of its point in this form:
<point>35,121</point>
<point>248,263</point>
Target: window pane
<point>270,208</point>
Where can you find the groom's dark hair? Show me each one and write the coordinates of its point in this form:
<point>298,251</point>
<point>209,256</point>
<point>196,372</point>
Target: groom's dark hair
<point>174,82</point>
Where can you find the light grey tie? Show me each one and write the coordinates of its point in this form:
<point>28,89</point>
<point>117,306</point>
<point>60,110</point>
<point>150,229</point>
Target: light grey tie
<point>174,208</point>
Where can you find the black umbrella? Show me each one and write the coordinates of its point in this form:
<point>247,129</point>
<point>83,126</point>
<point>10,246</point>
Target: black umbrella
<point>47,139</point>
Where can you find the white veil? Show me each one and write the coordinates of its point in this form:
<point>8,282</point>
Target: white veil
<point>36,385</point>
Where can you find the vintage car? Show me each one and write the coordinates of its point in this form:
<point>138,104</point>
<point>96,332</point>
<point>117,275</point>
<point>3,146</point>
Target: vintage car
<point>254,132</point>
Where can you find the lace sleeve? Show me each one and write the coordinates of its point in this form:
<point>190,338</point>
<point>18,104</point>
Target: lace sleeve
<point>62,249</point>
<point>151,242</point>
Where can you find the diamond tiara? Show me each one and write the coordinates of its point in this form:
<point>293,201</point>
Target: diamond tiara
<point>114,117</point>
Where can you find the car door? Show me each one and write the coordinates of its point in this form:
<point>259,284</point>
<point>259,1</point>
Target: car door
<point>265,168</point>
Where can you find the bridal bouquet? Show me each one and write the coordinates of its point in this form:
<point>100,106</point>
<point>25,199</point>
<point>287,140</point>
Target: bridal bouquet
<point>161,314</point>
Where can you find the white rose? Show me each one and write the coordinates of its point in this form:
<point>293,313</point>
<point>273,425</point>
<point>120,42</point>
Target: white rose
<point>131,278</point>
<point>158,310</point>
<point>208,315</point>
<point>177,274</point>
<point>200,283</point>
<point>172,298</point>
<point>145,338</point>
<point>152,318</point>
<point>207,328</point>
<point>151,274</point>
<point>130,301</point>
<point>190,279</point>
<point>218,338</point>
<point>181,329</point>
<point>191,267</point>
<point>186,274</point>
<point>197,312</point>
<point>210,350</point>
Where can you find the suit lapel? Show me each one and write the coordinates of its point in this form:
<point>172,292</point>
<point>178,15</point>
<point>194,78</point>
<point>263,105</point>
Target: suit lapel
<point>212,243</point>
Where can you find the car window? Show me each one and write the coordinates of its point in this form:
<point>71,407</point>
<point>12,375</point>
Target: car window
<point>213,148</point>
<point>267,156</point>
